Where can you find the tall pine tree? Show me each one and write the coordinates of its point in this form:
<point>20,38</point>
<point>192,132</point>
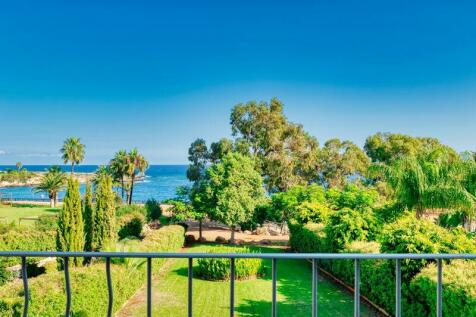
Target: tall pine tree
<point>70,232</point>
<point>88,216</point>
<point>104,216</point>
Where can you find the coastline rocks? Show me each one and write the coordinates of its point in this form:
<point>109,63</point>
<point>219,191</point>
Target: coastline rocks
<point>247,232</point>
<point>265,242</point>
<point>202,239</point>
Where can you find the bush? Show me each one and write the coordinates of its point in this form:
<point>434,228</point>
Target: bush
<point>219,269</point>
<point>130,225</point>
<point>153,209</point>
<point>89,283</point>
<point>459,291</point>
<point>412,235</point>
<point>309,238</point>
<point>347,225</point>
<point>129,209</point>
<point>47,223</point>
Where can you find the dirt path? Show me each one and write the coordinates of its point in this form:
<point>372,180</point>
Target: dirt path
<point>140,297</point>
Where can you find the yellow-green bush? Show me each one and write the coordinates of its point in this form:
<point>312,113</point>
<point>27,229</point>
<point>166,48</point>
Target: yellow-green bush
<point>219,269</point>
<point>459,291</point>
<point>89,290</point>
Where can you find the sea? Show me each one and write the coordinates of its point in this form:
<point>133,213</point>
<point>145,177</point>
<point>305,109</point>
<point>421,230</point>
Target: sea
<point>160,182</point>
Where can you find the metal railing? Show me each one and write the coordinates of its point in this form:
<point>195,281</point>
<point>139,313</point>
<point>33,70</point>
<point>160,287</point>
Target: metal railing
<point>274,257</point>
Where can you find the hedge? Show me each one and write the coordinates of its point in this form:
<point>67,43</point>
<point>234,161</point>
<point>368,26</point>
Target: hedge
<point>459,291</point>
<point>89,290</point>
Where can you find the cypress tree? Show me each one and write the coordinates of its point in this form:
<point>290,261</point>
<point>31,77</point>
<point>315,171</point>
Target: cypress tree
<point>70,232</point>
<point>88,216</point>
<point>104,217</point>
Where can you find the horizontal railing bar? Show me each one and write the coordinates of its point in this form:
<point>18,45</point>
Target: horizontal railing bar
<point>291,256</point>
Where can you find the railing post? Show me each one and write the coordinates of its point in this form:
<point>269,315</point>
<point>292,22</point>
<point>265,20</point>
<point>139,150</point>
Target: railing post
<point>232,287</point>
<point>25,287</point>
<point>190,279</point>
<point>274,273</point>
<point>357,288</point>
<point>439,290</point>
<point>398,289</point>
<point>149,287</point>
<point>68,287</point>
<point>109,287</point>
<point>315,276</point>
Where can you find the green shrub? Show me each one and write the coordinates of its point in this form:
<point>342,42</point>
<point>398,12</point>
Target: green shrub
<point>219,269</point>
<point>153,209</point>
<point>411,235</point>
<point>89,283</point>
<point>47,223</point>
<point>128,209</point>
<point>309,238</point>
<point>130,225</point>
<point>459,291</point>
<point>347,225</point>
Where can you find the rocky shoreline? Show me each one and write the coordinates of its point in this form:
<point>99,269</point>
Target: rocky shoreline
<point>36,179</point>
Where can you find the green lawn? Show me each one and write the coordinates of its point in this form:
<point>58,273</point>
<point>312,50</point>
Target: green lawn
<point>253,297</point>
<point>13,213</point>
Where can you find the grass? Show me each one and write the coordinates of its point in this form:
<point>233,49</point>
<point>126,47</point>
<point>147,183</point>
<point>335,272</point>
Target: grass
<point>252,297</point>
<point>14,213</point>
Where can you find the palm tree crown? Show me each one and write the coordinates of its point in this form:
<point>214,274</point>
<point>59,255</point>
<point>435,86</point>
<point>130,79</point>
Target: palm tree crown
<point>52,182</point>
<point>72,151</point>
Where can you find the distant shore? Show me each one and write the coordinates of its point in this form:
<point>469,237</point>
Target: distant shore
<point>36,179</point>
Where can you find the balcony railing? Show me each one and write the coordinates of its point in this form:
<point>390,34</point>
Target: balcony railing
<point>274,257</point>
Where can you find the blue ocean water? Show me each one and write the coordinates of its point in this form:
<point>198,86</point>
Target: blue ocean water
<point>160,182</point>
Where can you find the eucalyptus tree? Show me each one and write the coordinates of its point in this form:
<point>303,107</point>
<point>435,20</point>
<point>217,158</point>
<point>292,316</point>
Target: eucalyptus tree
<point>339,160</point>
<point>52,182</point>
<point>72,151</point>
<point>119,167</point>
<point>198,157</point>
<point>136,165</point>
<point>285,154</point>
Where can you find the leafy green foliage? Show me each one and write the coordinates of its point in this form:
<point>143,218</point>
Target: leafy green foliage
<point>153,209</point>
<point>70,231</point>
<point>52,182</point>
<point>128,209</point>
<point>89,283</point>
<point>459,289</point>
<point>219,269</point>
<point>47,223</point>
<point>104,232</point>
<point>233,189</point>
<point>130,225</point>
<point>88,218</point>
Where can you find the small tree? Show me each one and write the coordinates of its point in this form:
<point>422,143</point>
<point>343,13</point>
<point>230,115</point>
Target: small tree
<point>104,216</point>
<point>70,232</point>
<point>232,190</point>
<point>88,216</point>
<point>72,151</point>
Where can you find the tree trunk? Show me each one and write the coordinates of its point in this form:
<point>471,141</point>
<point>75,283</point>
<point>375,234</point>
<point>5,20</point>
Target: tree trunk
<point>131,191</point>
<point>200,222</point>
<point>122,187</point>
<point>52,202</point>
<point>72,169</point>
<point>232,239</point>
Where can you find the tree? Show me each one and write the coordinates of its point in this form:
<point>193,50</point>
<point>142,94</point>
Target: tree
<point>386,147</point>
<point>70,232</point>
<point>136,164</point>
<point>52,182</point>
<point>433,181</point>
<point>285,154</point>
<point>232,190</point>
<point>339,160</point>
<point>198,157</point>
<point>118,167</point>
<point>104,216</point>
<point>88,217</point>
<point>219,149</point>
<point>72,151</point>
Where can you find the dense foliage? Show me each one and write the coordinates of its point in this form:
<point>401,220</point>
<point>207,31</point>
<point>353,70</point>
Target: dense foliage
<point>153,209</point>
<point>88,218</point>
<point>105,219</point>
<point>130,225</point>
<point>89,289</point>
<point>70,231</point>
<point>219,269</point>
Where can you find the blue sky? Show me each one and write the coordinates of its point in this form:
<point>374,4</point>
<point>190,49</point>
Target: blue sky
<point>156,76</point>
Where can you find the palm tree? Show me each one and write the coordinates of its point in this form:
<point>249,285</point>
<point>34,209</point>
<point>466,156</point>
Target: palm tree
<point>430,181</point>
<point>118,166</point>
<point>52,182</point>
<point>72,151</point>
<point>136,164</point>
